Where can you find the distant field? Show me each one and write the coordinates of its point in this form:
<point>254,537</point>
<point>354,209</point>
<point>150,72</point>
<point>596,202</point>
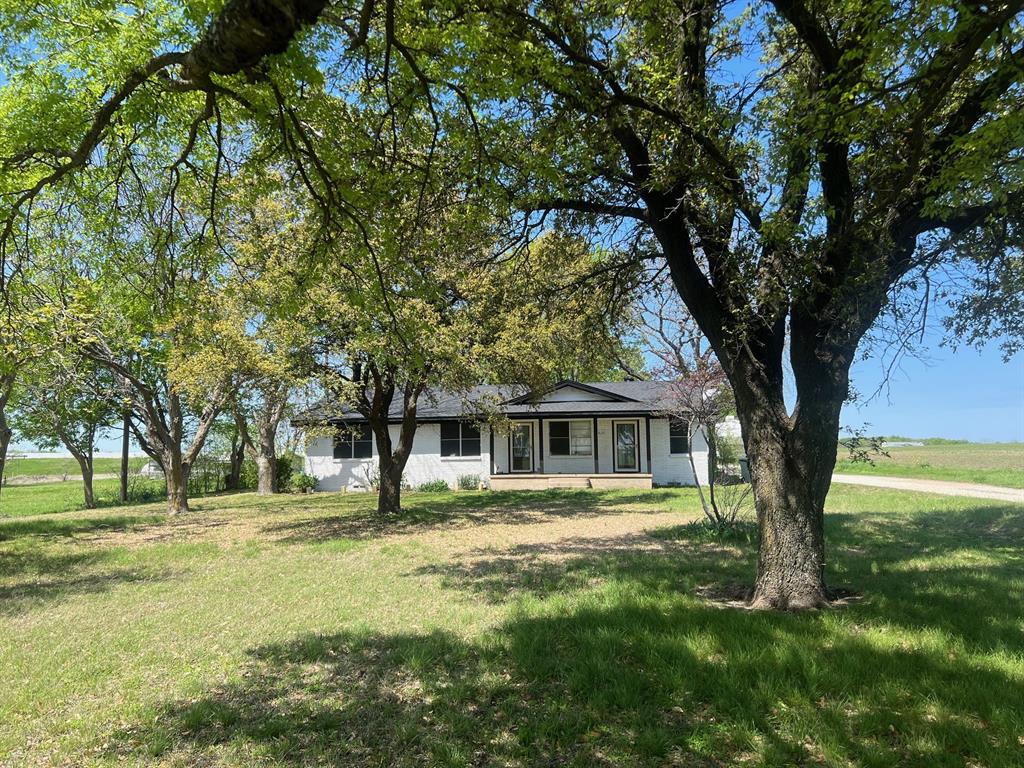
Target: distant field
<point>60,466</point>
<point>990,463</point>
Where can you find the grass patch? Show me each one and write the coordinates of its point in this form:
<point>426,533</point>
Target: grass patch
<point>49,498</point>
<point>66,466</point>
<point>987,463</point>
<point>557,628</point>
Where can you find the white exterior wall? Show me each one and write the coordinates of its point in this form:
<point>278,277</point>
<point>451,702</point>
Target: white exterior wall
<point>604,446</point>
<point>502,455</point>
<point>425,461</point>
<point>566,464</point>
<point>676,470</point>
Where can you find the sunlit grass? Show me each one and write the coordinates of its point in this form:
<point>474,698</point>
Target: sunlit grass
<point>562,628</point>
<point>47,498</point>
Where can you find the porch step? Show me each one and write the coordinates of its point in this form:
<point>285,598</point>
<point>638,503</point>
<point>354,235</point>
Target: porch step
<point>568,482</point>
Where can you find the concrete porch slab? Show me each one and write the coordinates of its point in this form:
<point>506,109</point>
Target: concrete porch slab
<point>539,482</point>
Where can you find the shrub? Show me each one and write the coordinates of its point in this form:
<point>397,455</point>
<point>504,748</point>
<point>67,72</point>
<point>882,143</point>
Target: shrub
<point>289,464</point>
<point>206,475</point>
<point>303,482</point>
<point>248,479</point>
<point>433,486</point>
<point>142,490</point>
<point>468,482</point>
<point>740,531</point>
<point>730,450</point>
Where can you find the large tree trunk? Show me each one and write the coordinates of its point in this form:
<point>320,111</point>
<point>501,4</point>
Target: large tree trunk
<point>237,456</point>
<point>266,460</point>
<point>266,470</point>
<point>6,433</point>
<point>90,500</point>
<point>389,495</point>
<point>391,462</point>
<point>790,516</point>
<point>791,461</point>
<point>176,477</point>
<point>392,458</point>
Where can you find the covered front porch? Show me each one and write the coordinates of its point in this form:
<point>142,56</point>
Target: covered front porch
<point>522,481</point>
<point>573,451</point>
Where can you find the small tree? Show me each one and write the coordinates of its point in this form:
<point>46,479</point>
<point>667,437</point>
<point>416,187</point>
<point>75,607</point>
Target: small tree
<point>20,323</point>
<point>702,399</point>
<point>7,379</point>
<point>258,422</point>
<point>140,310</point>
<point>66,401</point>
<point>259,334</point>
<point>699,396</point>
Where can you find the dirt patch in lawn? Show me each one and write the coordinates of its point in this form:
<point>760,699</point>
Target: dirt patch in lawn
<point>537,531</point>
<point>559,538</point>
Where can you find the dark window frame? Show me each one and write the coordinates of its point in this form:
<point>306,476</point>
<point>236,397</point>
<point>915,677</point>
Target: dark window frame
<point>464,443</point>
<point>674,426</point>
<point>567,437</point>
<point>355,442</point>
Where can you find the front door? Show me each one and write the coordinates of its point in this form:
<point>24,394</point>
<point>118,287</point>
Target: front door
<point>522,448</point>
<point>626,453</point>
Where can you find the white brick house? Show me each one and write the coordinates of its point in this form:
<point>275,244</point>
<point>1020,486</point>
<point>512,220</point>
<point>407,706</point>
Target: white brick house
<point>601,435</point>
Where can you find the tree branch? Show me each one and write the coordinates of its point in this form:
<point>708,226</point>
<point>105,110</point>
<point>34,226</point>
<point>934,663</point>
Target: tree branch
<point>592,206</point>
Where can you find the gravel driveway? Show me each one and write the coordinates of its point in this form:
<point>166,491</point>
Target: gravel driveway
<point>942,487</point>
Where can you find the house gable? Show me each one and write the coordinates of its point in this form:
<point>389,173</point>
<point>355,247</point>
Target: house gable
<point>572,392</point>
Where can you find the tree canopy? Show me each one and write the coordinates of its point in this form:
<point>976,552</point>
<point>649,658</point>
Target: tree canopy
<point>803,168</point>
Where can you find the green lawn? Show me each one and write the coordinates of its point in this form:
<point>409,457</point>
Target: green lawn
<point>48,498</point>
<point>563,628</point>
<point>59,466</point>
<point>989,463</point>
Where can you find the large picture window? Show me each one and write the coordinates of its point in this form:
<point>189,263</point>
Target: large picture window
<point>570,438</point>
<point>679,437</point>
<point>459,438</point>
<point>356,442</point>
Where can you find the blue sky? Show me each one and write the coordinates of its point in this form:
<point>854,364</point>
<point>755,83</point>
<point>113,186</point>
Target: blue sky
<point>963,394</point>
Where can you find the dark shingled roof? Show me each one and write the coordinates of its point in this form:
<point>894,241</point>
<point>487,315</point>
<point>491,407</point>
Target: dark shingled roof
<point>634,398</point>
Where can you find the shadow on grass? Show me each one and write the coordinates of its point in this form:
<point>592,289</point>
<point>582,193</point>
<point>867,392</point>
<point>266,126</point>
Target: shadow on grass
<point>423,511</point>
<point>631,683</point>
<point>659,561</point>
<point>28,595</point>
<point>907,569</point>
<point>619,665</point>
<point>960,572</point>
<point>40,561</point>
<point>71,526</point>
